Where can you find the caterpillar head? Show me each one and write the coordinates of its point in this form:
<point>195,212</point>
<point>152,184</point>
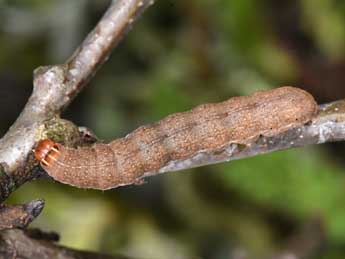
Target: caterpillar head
<point>46,151</point>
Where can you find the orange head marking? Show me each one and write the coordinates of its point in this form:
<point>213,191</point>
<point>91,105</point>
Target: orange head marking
<point>46,152</point>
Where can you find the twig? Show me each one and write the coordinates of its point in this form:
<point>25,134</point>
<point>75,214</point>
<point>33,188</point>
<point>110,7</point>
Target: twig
<point>96,48</point>
<point>55,87</point>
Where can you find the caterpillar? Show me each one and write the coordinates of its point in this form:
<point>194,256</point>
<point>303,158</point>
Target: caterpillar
<point>208,128</point>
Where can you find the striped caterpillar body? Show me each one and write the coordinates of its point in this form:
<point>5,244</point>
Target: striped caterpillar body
<point>178,137</point>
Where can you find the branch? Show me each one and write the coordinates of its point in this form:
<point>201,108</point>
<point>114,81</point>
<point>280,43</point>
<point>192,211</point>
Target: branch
<point>21,244</point>
<point>54,88</point>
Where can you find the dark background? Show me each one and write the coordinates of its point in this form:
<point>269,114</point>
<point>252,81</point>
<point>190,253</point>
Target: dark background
<point>180,54</point>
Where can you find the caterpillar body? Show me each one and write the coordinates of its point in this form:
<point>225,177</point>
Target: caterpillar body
<point>207,128</point>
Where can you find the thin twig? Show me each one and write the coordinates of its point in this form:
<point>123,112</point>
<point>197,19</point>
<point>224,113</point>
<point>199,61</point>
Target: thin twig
<point>96,48</point>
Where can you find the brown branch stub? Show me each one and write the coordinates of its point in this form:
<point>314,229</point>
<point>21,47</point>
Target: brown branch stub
<point>19,216</point>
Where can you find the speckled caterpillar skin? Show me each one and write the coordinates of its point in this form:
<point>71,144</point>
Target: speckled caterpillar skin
<point>206,128</point>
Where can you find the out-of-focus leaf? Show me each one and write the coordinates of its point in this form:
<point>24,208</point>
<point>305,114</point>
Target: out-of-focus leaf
<point>298,182</point>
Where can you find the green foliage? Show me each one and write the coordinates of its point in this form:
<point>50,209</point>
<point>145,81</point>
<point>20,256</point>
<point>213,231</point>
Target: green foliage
<point>298,182</point>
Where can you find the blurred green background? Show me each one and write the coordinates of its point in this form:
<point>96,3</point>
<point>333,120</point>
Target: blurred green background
<point>179,54</point>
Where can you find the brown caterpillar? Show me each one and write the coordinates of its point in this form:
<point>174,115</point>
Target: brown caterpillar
<point>178,137</point>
